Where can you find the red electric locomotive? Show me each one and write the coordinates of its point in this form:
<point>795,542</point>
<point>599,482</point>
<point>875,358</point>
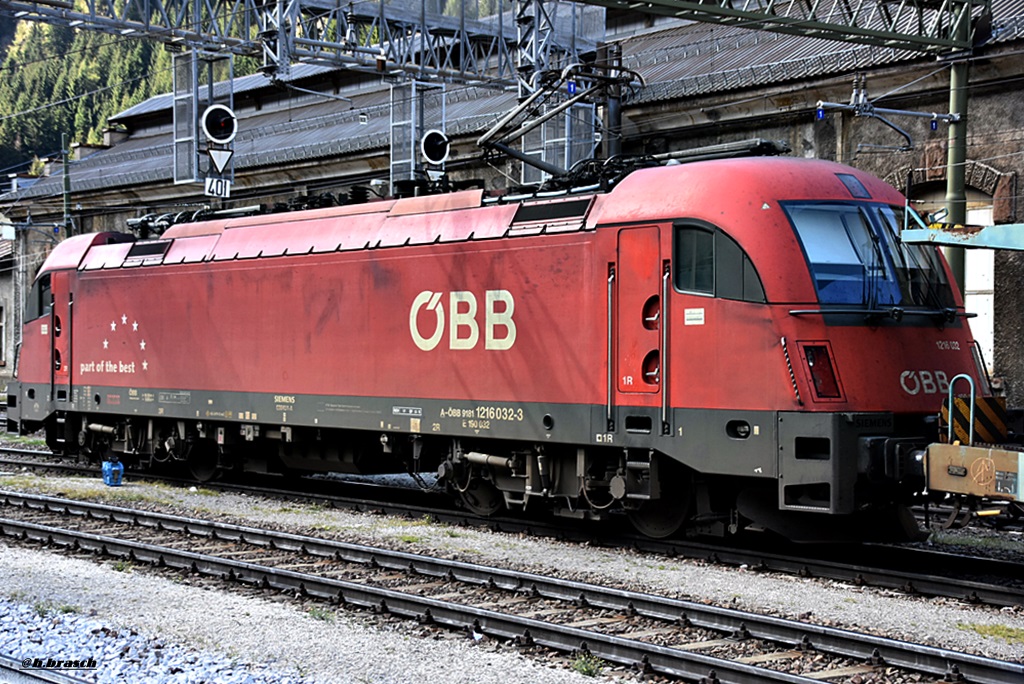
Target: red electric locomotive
<point>708,345</point>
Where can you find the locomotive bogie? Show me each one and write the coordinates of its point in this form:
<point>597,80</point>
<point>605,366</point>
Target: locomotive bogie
<point>707,344</point>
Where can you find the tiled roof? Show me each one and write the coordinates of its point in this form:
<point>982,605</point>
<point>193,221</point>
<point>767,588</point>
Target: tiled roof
<point>699,59</point>
<point>321,128</point>
<point>242,85</point>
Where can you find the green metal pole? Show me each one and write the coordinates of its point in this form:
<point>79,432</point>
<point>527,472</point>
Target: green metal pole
<point>956,190</point>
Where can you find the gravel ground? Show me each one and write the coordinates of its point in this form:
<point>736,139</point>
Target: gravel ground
<point>143,628</point>
<point>284,641</point>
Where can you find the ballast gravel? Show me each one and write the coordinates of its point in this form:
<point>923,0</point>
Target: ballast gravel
<point>147,627</point>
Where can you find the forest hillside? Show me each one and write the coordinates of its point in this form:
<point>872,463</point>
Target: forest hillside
<point>57,80</point>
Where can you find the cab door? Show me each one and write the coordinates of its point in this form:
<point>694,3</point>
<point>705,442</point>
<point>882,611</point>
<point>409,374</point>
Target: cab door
<point>638,311</point>
<point>60,337</point>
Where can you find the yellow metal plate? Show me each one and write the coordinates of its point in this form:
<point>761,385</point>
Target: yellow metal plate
<point>977,471</point>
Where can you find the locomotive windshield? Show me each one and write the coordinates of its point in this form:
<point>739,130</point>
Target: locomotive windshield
<point>856,257</point>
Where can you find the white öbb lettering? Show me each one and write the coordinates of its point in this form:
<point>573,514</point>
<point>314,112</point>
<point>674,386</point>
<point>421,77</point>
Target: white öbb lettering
<point>922,381</point>
<point>463,329</point>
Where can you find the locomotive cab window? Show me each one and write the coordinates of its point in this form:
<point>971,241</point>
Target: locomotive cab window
<point>856,257</point>
<point>708,261</point>
<point>40,299</point>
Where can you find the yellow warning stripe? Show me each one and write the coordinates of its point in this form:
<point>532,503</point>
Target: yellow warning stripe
<point>990,419</point>
<point>994,409</point>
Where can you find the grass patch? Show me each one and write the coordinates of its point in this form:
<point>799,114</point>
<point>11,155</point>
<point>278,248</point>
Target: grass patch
<point>92,488</point>
<point>588,665</point>
<point>44,608</point>
<point>19,481</point>
<point>975,542</point>
<point>321,613</point>
<point>410,538</point>
<point>25,440</point>
<point>1011,635</point>
<point>415,522</point>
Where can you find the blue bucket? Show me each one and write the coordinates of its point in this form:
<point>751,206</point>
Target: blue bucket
<point>112,472</point>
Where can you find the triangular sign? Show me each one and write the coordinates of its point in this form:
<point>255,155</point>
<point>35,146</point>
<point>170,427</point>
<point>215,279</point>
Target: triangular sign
<point>220,158</point>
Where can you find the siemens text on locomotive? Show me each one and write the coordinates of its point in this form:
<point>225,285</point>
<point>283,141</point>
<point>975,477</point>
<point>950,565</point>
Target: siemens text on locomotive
<point>705,346</point>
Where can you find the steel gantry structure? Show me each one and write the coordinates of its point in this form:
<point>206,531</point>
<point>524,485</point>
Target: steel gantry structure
<point>918,25</point>
<point>457,40</point>
<point>477,39</point>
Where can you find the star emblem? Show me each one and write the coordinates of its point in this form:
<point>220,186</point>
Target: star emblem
<point>135,326</point>
<point>113,326</point>
<point>124,319</point>
<point>142,345</point>
<point>106,344</point>
<point>145,365</point>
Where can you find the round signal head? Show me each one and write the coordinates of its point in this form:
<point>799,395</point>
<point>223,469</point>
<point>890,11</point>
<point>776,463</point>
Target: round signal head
<point>435,146</point>
<point>220,125</point>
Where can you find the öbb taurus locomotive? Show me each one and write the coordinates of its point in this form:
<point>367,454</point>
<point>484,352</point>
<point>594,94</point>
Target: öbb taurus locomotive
<point>711,344</point>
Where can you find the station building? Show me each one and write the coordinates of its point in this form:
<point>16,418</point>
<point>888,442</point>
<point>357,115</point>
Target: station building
<point>324,134</point>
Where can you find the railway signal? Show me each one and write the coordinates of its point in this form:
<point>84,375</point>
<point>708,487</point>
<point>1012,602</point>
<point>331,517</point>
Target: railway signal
<point>220,125</point>
<point>435,146</point>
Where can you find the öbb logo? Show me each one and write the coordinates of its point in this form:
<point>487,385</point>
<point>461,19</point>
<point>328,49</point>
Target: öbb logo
<point>463,328</point>
<point>922,381</point>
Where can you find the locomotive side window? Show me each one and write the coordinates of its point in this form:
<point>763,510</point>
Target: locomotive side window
<point>728,269</point>
<point>40,299</point>
<point>695,260</point>
<point>710,262</point>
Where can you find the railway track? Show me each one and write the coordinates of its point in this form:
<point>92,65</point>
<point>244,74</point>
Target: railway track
<point>976,579</point>
<point>654,634</point>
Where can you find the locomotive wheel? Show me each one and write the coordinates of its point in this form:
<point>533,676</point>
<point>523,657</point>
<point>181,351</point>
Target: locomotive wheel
<point>660,518</point>
<point>482,498</point>
<point>202,461</point>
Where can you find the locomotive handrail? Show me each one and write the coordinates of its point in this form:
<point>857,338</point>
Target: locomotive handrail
<point>664,348</point>
<point>611,375</point>
<point>949,429</point>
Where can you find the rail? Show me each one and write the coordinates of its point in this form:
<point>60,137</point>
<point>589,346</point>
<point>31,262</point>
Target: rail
<point>989,581</point>
<point>871,651</point>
